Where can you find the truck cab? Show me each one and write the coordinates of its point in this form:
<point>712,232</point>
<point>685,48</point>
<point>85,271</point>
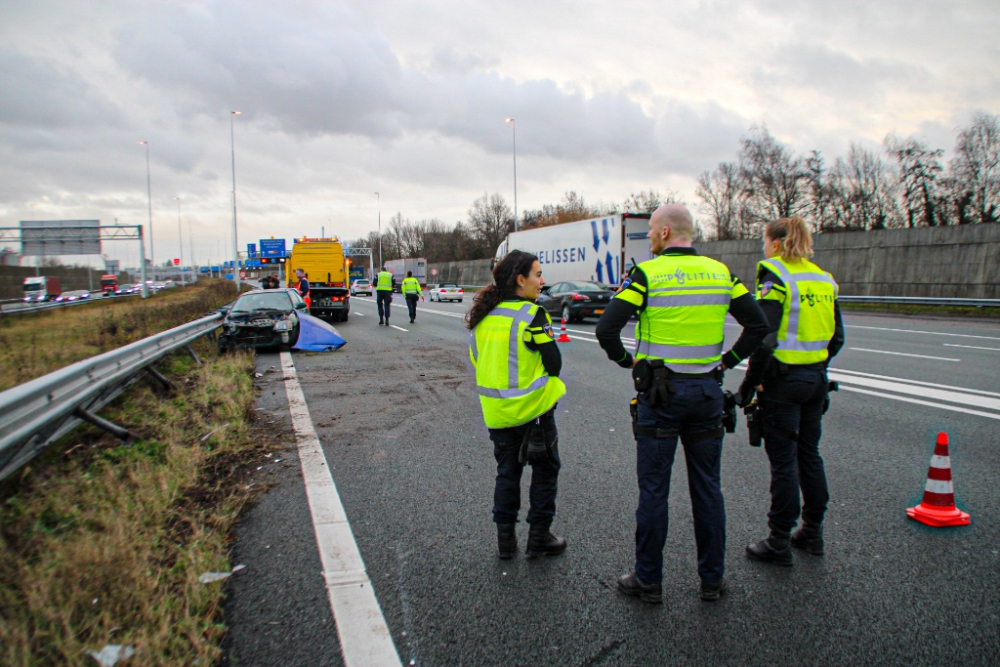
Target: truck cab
<point>41,288</point>
<point>323,262</point>
<point>109,284</point>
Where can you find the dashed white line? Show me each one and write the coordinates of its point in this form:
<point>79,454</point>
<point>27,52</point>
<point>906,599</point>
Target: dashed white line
<point>973,347</point>
<point>364,634</point>
<point>400,328</point>
<point>903,354</point>
<point>916,331</point>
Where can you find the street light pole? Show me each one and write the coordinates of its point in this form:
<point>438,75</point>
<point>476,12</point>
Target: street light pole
<point>513,126</point>
<point>149,200</point>
<point>236,251</point>
<point>379,199</point>
<point>180,239</point>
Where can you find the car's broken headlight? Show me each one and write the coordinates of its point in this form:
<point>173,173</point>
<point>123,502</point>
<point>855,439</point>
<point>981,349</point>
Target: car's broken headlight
<point>283,325</point>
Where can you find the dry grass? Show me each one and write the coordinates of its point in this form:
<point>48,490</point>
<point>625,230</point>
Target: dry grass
<point>36,344</point>
<point>103,544</point>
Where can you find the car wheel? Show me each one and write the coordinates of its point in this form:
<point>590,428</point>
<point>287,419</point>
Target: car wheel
<point>293,338</point>
<point>344,318</point>
<point>566,314</point>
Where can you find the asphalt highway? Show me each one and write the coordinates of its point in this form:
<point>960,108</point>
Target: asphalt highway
<point>399,421</point>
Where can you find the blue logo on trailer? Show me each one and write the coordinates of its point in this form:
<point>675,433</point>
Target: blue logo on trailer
<point>272,248</point>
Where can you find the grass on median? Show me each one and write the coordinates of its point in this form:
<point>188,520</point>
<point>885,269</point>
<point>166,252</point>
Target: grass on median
<point>32,345</point>
<point>102,543</point>
<point>923,311</point>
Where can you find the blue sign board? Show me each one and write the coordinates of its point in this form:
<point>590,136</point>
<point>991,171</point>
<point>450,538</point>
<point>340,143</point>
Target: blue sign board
<point>272,248</point>
<point>251,250</point>
<point>203,269</point>
<point>216,269</point>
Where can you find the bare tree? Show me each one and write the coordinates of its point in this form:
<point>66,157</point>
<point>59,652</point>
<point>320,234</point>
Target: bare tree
<point>864,194</point>
<point>772,178</point>
<point>975,170</point>
<point>819,193</point>
<point>724,201</point>
<point>491,219</point>
<point>919,174</point>
<point>647,201</point>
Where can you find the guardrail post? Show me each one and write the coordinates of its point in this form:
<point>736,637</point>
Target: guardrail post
<point>159,377</point>
<point>101,423</point>
<point>193,355</point>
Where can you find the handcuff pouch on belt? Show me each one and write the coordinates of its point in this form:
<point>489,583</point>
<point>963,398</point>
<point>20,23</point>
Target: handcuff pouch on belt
<point>652,380</point>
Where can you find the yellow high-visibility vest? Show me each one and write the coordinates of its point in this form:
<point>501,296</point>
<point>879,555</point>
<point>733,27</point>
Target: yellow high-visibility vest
<point>513,385</point>
<point>384,282</point>
<point>411,286</point>
<point>807,299</point>
<point>683,323</point>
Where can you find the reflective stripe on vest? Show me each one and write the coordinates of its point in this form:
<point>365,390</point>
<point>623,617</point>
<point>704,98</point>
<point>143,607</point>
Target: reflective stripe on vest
<point>707,290</point>
<point>514,404</point>
<point>790,342</point>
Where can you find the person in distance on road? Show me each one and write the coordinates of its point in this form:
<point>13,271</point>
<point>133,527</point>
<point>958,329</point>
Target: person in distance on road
<point>303,287</point>
<point>384,284</point>
<point>789,376</point>
<point>681,299</point>
<point>517,364</point>
<point>411,289</point>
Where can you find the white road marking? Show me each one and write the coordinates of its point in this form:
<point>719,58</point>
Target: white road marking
<point>364,635</point>
<point>591,333</point>
<point>916,331</point>
<point>360,314</point>
<point>953,408</point>
<point>400,328</point>
<point>917,382</point>
<point>973,347</point>
<point>903,354</point>
<point>916,390</point>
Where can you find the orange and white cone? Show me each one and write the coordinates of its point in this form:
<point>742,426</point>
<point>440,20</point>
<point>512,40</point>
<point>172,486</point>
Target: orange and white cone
<point>938,507</point>
<point>563,336</point>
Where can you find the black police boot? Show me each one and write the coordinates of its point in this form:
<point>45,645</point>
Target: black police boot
<point>380,322</point>
<point>710,592</point>
<point>506,541</point>
<point>631,584</point>
<point>541,541</point>
<point>809,536</point>
<point>772,549</point>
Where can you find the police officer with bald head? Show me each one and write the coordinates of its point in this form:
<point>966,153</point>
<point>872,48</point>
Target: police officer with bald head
<point>681,300</point>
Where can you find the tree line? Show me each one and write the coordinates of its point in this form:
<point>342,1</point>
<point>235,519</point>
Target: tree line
<point>905,183</point>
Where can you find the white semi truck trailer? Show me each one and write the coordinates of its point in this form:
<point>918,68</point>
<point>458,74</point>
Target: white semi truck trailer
<point>599,249</point>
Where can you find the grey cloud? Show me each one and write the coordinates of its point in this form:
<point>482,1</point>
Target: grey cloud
<point>324,71</point>
<point>37,93</point>
<point>837,73</point>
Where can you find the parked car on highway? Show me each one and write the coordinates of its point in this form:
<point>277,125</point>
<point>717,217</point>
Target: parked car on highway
<point>75,295</point>
<point>576,299</point>
<point>361,287</point>
<point>447,292</point>
<point>262,319</point>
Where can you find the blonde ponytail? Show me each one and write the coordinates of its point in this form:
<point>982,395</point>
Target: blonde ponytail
<point>796,240</point>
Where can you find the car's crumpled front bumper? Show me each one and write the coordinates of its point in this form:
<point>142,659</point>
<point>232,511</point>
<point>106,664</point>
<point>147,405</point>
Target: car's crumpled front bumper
<point>255,333</point>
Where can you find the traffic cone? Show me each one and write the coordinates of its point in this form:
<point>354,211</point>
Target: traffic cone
<point>563,336</point>
<point>938,507</point>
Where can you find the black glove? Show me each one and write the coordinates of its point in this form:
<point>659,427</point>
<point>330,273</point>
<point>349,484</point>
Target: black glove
<point>659,393</point>
<point>533,449</point>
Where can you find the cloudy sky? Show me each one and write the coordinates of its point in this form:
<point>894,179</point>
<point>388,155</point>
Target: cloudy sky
<point>340,100</point>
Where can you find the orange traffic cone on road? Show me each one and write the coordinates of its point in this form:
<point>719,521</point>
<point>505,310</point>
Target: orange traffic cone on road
<point>563,336</point>
<point>938,507</point>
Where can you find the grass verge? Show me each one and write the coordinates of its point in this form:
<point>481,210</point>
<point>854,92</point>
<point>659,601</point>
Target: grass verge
<point>34,344</point>
<point>102,543</point>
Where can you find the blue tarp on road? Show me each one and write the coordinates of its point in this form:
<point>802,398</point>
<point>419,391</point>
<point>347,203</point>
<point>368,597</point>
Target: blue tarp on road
<point>315,335</point>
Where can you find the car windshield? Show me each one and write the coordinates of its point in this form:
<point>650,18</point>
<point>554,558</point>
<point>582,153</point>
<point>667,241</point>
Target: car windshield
<point>588,287</point>
<point>262,301</point>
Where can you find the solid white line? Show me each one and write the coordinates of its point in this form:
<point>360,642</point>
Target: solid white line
<point>930,333</point>
<point>973,347</point>
<point>917,382</point>
<point>937,394</point>
<point>953,408</point>
<point>903,354</point>
<point>364,635</point>
<point>400,328</point>
<point>591,333</point>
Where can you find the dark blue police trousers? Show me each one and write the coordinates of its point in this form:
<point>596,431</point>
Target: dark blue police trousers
<point>790,404</point>
<point>695,407</point>
<point>383,297</point>
<point>544,474</point>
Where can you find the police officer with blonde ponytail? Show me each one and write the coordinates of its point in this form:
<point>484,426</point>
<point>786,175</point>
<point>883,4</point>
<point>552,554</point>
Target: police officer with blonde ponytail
<point>789,376</point>
<point>517,363</point>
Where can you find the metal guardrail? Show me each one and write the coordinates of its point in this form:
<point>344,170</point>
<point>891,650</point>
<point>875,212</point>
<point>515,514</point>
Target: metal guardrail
<point>922,301</point>
<point>19,306</point>
<point>39,412</point>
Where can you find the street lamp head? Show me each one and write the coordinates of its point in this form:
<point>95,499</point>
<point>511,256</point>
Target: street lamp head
<point>508,120</point>
<point>236,113</point>
<point>144,143</point>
